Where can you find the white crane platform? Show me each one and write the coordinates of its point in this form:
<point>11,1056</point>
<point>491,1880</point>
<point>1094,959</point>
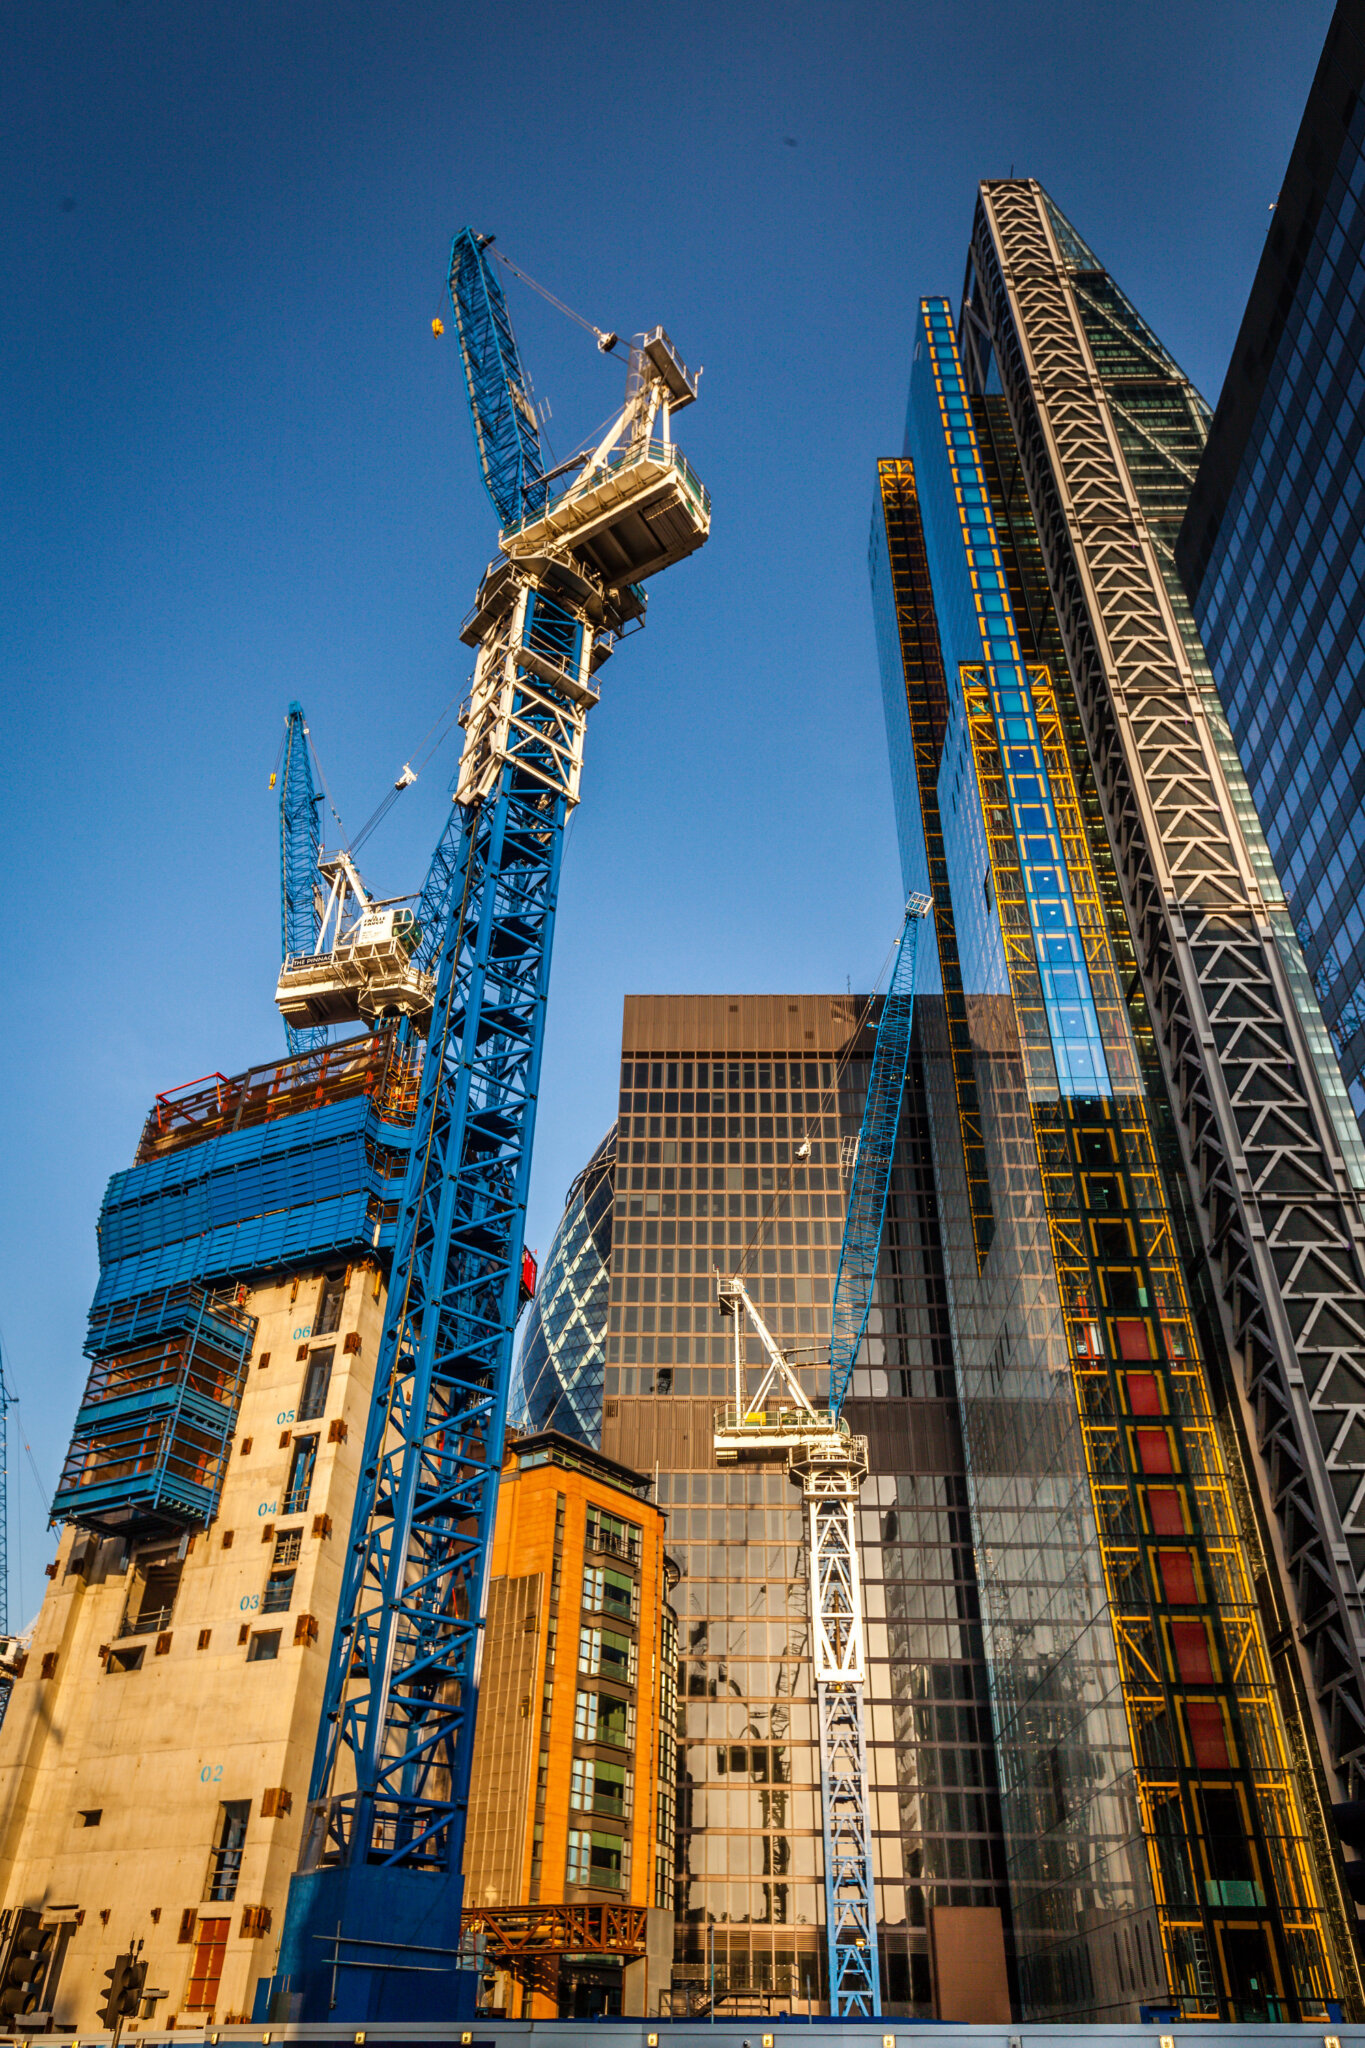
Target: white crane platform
<point>635,507</point>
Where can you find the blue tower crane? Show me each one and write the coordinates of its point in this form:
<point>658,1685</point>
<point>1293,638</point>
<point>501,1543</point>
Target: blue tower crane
<point>300,844</point>
<point>373,1922</point>
<point>829,1463</point>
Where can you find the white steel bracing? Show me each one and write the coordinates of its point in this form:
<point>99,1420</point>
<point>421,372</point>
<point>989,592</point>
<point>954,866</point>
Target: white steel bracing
<point>528,703</point>
<point>1235,1023</point>
<point>829,1464</point>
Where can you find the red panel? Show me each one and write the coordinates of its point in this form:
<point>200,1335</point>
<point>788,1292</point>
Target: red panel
<point>1134,1341</point>
<point>1144,1395</point>
<point>1154,1451</point>
<point>1163,1508</point>
<point>1177,1576</point>
<point>1208,1735</point>
<point>1192,1659</point>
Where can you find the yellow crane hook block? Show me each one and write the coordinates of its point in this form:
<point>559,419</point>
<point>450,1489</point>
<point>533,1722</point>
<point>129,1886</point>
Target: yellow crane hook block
<point>438,327</point>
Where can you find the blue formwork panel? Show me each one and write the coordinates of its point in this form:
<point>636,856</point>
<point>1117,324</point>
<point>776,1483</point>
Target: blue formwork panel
<point>322,1181</point>
<point>151,1436</point>
<point>240,1178</point>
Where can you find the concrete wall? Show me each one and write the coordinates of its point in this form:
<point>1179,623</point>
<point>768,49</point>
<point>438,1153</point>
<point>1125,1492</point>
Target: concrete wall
<point>154,1752</point>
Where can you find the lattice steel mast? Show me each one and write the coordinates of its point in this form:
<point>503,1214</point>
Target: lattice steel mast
<point>379,1891</point>
<point>300,844</point>
<point>829,1464</point>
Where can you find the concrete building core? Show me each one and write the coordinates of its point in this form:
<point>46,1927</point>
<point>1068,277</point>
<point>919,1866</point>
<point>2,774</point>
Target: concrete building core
<point>155,1756</point>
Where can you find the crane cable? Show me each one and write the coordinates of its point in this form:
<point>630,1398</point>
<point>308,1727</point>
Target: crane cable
<point>608,341</point>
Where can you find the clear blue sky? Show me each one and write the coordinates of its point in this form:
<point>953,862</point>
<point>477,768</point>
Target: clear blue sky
<point>237,469</point>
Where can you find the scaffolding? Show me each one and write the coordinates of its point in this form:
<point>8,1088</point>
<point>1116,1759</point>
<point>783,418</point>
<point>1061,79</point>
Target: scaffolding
<point>151,1438</point>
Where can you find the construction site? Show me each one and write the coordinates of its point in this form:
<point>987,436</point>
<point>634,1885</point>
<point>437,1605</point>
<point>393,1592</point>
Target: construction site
<point>882,1567</point>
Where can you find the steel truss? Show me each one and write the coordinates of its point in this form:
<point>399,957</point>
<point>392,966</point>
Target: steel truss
<point>401,1688</point>
<point>871,1180</point>
<point>300,844</point>
<point>501,409</point>
<point>1281,1220</point>
<point>829,1465</point>
<point>531,1942</point>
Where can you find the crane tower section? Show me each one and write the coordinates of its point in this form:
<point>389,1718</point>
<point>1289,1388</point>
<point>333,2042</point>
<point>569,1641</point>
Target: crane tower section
<point>829,1464</point>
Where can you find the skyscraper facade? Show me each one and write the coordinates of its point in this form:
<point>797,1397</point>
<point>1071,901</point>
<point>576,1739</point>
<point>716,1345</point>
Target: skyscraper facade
<point>718,1095</point>
<point>561,1345</point>
<point>1272,549</point>
<point>1145,1167</point>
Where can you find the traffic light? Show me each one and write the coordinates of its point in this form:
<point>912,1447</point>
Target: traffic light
<point>125,1979</point>
<point>23,1973</point>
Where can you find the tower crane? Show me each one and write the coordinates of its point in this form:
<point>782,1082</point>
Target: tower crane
<point>372,1925</point>
<point>829,1464</point>
<point>300,843</point>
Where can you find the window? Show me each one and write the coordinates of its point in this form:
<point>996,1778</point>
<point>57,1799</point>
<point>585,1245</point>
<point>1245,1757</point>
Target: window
<point>610,1533</point>
<point>1192,1656</point>
<point>279,1591</point>
<point>1177,1578</point>
<point>126,1660</point>
<point>610,1592</point>
<point>599,1787</point>
<point>300,1475</point>
<point>152,1587</point>
<point>595,1859</point>
<point>313,1400</point>
<point>206,1968</point>
<point>288,1544</point>
<point>605,1653</point>
<point>89,1816</point>
<point>225,1863</point>
<point>1208,1735</point>
<point>599,1717</point>
<point>329,1307</point>
<point>263,1647</point>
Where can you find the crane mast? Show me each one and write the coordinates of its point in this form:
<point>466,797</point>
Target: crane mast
<point>372,1926</point>
<point>829,1464</point>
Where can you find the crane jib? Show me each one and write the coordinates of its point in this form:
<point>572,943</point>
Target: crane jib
<point>871,1180</point>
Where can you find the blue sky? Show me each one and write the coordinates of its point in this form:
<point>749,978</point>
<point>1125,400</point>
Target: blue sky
<point>237,469</point>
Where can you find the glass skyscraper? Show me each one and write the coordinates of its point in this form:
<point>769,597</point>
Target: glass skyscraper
<point>1141,1150</point>
<point>718,1093</point>
<point>1273,545</point>
<point>561,1345</point>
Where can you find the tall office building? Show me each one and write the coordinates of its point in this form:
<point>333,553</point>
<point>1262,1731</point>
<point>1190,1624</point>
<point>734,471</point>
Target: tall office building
<point>1146,1166</point>
<point>718,1094</point>
<point>561,1345</point>
<point>1272,550</point>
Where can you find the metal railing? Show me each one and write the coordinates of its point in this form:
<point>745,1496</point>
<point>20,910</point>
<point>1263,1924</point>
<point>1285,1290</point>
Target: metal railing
<point>149,1622</point>
<point>612,1545</point>
<point>619,459</point>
